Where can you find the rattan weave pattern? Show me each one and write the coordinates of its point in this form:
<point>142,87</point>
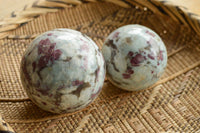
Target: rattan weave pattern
<point>170,105</point>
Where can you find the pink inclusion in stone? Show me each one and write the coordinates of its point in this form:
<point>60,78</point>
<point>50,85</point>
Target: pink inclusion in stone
<point>126,76</point>
<point>48,53</point>
<point>151,56</point>
<point>129,71</point>
<point>116,34</point>
<point>150,33</point>
<point>77,83</point>
<point>160,55</point>
<point>50,34</point>
<point>85,47</point>
<point>130,53</point>
<point>95,94</point>
<point>135,61</point>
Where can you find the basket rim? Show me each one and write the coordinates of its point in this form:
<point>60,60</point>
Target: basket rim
<point>175,10</point>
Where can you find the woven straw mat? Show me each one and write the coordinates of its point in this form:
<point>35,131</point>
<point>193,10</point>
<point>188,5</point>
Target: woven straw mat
<point>171,105</point>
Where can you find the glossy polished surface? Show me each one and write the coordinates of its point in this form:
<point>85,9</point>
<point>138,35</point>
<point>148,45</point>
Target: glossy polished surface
<point>135,57</point>
<point>62,71</point>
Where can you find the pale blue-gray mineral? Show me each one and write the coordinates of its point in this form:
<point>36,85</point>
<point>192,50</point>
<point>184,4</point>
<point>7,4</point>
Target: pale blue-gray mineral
<point>62,71</point>
<point>135,57</point>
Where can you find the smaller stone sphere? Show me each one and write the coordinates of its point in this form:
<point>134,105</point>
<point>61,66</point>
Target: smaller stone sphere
<point>62,71</point>
<point>135,57</point>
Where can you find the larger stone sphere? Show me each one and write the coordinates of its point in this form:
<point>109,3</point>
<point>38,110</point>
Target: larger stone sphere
<point>62,71</point>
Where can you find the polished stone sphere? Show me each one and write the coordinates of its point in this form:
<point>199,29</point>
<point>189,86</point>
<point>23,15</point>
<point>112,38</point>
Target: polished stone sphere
<point>135,57</point>
<point>62,71</point>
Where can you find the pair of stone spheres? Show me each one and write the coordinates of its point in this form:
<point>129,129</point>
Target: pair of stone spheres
<point>63,70</point>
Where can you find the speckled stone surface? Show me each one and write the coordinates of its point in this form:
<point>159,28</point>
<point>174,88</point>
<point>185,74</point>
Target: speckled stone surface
<point>62,71</point>
<point>135,57</point>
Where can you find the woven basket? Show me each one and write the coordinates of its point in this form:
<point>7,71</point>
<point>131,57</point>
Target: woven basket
<point>170,105</point>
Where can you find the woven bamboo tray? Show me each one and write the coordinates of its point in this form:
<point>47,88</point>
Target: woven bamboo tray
<point>170,105</point>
